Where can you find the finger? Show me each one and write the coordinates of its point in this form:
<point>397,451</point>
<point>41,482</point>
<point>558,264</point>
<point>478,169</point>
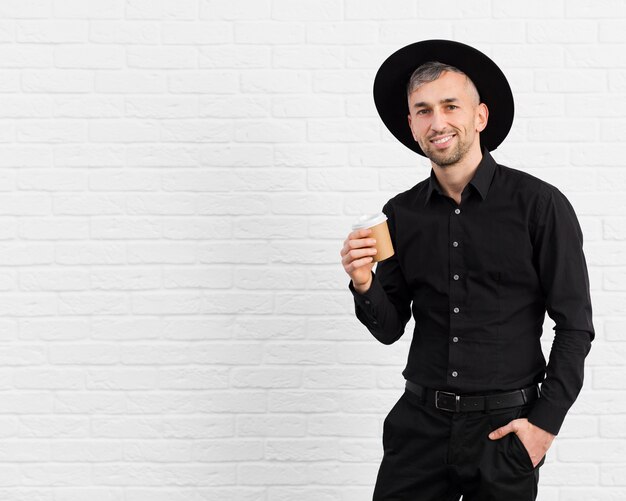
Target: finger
<point>361,242</point>
<point>360,262</point>
<point>502,431</point>
<point>353,254</point>
<point>362,233</point>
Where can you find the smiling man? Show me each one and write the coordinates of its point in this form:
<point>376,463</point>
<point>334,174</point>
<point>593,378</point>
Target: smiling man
<point>482,252</point>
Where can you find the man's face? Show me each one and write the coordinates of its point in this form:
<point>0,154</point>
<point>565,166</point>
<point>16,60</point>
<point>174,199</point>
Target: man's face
<point>446,118</point>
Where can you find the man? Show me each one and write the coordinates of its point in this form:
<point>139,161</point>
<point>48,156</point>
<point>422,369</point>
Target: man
<point>482,251</point>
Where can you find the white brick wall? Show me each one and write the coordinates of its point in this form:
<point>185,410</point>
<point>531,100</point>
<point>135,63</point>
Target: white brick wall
<point>176,180</point>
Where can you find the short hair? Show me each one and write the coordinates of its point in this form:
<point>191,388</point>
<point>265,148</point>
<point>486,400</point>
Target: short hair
<point>431,71</point>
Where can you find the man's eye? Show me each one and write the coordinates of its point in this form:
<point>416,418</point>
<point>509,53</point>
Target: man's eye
<point>452,107</point>
<point>421,112</point>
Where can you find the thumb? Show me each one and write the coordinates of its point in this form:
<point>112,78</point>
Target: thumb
<point>502,431</point>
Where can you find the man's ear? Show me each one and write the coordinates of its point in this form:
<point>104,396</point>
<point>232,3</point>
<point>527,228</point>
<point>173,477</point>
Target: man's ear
<point>482,117</point>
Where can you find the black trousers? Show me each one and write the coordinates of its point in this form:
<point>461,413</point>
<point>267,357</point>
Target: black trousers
<point>435,455</point>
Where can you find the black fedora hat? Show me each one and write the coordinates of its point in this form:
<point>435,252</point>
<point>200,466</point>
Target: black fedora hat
<point>393,76</point>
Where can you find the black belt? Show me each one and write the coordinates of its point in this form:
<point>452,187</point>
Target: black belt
<point>467,403</point>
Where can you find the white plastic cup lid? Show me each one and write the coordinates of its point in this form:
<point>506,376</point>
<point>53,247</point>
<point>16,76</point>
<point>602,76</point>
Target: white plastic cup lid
<point>369,220</point>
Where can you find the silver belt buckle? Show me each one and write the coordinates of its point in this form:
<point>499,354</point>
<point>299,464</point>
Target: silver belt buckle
<point>457,401</point>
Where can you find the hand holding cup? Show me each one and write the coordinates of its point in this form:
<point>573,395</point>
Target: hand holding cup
<point>368,243</point>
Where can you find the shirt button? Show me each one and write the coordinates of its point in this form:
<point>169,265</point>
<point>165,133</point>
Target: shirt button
<point>374,322</point>
<point>367,301</point>
<point>455,244</point>
<point>456,310</point>
<point>456,277</point>
<point>455,339</point>
<point>455,373</point>
<point>457,211</point>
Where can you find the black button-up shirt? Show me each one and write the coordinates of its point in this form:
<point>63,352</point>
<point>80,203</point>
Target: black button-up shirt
<point>479,278</point>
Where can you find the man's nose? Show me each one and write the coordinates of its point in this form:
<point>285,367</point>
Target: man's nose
<point>438,122</point>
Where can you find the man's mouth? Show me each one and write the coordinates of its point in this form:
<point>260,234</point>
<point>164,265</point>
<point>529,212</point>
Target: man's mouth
<point>442,140</point>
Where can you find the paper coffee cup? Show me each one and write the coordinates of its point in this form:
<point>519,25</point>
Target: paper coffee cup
<point>380,231</point>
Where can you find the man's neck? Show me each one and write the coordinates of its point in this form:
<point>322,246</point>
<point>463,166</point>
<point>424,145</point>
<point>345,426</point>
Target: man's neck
<point>454,178</point>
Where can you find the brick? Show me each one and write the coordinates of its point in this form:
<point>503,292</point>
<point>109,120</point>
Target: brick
<point>91,402</point>
<point>122,329</point>
<point>124,32</point>
<point>308,57</point>
<point>32,254</point>
<point>583,57</point>
<point>52,31</point>
<point>59,329</point>
<point>43,132</point>
<point>556,130</point>
<point>161,107</point>
<point>51,180</point>
<point>559,31</point>
<point>570,80</point>
<point>528,56</point>
<point>124,180</point>
<point>174,451</point>
<point>610,31</point>
<point>91,107</point>
<point>86,451</point>
<point>166,57</point>
<point>476,31</point>
<point>600,9</point>
<point>185,33</point>
<point>234,56</point>
<point>284,131</point>
<point>32,9</point>
<point>345,81</point>
<point>530,9</point>
<point>121,379</point>
<point>342,33</point>
<point>88,204</point>
<point>227,450</point>
<point>275,81</point>
<point>114,228</point>
<point>201,228</point>
<point>150,253</point>
<point>370,9</point>
<point>54,229</point>
<point>239,179</point>
<point>241,155</point>
<point>157,203</point>
<point>90,253</point>
<point>123,131</point>
<point>268,327</point>
<point>244,9</point>
<point>193,379</point>
<point>203,82</point>
<point>307,155</point>
<point>339,378</point>
<point>92,155</point>
<point>93,303</point>
<point>88,9</point>
<point>88,57</point>
<point>113,427</point>
<point>317,106</point>
<point>130,81</point>
<point>268,32</point>
<point>31,106</point>
<point>124,279</point>
<point>258,227</point>
<point>196,131</point>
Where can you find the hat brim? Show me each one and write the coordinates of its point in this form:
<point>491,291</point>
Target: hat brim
<point>393,76</point>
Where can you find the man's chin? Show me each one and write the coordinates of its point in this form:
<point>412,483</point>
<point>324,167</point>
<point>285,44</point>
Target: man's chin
<point>443,159</point>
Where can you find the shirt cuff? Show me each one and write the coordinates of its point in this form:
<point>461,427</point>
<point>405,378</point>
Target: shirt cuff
<point>547,417</point>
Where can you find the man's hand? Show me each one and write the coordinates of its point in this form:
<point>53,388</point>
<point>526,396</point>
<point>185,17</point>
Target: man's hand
<point>536,440</point>
<point>357,257</point>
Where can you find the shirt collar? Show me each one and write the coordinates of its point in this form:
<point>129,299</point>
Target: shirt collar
<point>481,180</point>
